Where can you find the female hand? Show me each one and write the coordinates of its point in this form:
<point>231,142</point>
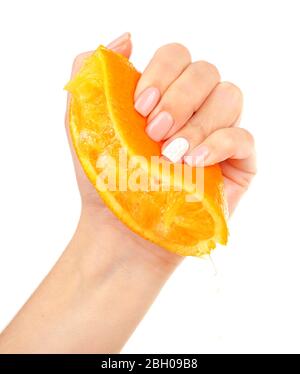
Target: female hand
<point>195,115</point>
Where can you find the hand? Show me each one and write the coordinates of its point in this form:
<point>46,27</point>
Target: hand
<point>185,103</point>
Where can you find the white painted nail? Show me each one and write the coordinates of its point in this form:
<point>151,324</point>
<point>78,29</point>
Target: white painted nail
<point>176,149</point>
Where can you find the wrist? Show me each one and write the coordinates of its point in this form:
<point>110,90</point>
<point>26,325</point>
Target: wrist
<point>102,241</point>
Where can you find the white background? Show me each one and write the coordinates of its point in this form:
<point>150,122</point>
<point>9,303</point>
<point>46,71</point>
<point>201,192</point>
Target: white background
<point>248,301</point>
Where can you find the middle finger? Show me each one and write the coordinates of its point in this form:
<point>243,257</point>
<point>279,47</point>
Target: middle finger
<point>182,98</point>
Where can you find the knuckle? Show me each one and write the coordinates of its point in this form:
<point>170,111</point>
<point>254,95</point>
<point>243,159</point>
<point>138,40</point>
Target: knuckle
<point>174,50</point>
<point>200,131</point>
<point>203,66</point>
<point>250,138</point>
<point>227,141</point>
<point>233,92</point>
<point>196,124</point>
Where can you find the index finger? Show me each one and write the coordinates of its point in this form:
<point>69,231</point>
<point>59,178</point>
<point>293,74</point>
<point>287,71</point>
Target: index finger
<point>166,65</point>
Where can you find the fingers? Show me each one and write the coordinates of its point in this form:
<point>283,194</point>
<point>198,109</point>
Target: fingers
<point>166,66</point>
<point>122,45</point>
<point>171,89</point>
<point>184,96</point>
<point>222,144</point>
<point>221,109</point>
<point>234,149</point>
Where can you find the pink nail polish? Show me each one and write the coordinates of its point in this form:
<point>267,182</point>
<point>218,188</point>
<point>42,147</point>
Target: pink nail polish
<point>117,42</point>
<point>197,156</point>
<point>159,126</point>
<point>147,100</point>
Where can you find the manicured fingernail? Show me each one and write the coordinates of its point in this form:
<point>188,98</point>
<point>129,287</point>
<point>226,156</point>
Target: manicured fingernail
<point>147,100</point>
<point>117,42</point>
<point>176,149</point>
<point>197,156</point>
<point>159,126</point>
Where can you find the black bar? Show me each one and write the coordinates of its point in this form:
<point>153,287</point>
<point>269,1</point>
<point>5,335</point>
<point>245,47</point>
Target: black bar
<point>128,362</point>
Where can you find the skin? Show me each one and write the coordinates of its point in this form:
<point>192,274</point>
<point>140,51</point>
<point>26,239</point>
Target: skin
<point>107,277</point>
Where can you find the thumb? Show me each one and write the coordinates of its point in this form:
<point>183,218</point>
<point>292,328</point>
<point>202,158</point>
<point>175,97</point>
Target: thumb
<point>122,45</point>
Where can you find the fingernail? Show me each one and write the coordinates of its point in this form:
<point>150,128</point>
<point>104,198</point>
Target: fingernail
<point>117,42</point>
<point>197,156</point>
<point>147,100</point>
<point>159,126</point>
<point>176,149</point>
